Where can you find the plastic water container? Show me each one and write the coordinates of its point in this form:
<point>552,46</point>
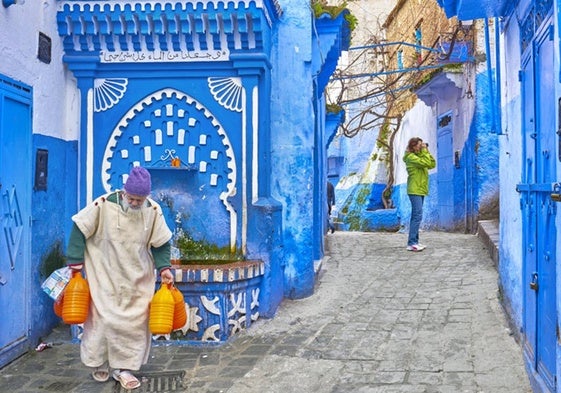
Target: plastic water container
<point>162,309</point>
<point>57,305</point>
<point>179,314</point>
<point>76,302</point>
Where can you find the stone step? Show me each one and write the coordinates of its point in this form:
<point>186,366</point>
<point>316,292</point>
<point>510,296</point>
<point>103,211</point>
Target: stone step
<point>488,232</point>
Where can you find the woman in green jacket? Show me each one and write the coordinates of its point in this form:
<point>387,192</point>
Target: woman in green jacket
<point>418,161</point>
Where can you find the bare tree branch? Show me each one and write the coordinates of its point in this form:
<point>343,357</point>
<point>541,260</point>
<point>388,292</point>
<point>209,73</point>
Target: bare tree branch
<point>376,86</point>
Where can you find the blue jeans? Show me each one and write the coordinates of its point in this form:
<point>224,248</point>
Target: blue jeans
<point>416,216</point>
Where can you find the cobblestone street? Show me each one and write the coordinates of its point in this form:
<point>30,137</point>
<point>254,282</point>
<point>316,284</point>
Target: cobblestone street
<point>381,320</point>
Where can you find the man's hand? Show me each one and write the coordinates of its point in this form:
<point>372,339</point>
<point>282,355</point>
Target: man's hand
<point>166,276</point>
<point>76,267</point>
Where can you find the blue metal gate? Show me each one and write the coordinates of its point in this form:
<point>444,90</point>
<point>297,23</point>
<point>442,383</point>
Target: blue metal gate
<point>15,207</point>
<point>538,210</point>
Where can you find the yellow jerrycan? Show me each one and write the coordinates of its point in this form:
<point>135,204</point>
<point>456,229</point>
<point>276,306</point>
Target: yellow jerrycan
<point>179,314</point>
<point>76,303</point>
<point>57,305</point>
<point>162,309</point>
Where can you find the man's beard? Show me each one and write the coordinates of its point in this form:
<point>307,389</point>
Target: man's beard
<point>130,208</point>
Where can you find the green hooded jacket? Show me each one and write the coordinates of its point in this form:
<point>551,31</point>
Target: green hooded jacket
<point>418,165</point>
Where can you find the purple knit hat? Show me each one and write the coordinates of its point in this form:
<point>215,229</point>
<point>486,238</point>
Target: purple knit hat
<point>138,182</point>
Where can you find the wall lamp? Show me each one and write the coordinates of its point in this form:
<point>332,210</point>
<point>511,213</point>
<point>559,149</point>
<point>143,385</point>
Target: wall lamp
<point>7,3</point>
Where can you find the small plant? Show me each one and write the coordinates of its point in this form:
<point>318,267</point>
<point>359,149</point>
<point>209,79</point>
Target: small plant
<point>334,108</point>
<point>197,252</point>
<point>54,260</point>
<point>321,7</point>
<point>188,251</point>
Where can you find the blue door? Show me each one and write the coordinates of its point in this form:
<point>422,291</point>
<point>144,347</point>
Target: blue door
<point>539,232</point>
<point>445,174</point>
<point>15,207</point>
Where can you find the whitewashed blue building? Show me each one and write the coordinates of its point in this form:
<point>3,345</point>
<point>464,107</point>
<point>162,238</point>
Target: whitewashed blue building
<point>528,71</point>
<point>507,131</point>
<point>221,100</point>
<point>451,112</point>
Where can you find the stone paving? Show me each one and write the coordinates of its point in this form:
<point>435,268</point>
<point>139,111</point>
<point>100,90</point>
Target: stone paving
<point>382,319</point>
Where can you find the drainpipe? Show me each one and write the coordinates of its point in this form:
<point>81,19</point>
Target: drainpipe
<point>490,76</point>
<point>498,76</point>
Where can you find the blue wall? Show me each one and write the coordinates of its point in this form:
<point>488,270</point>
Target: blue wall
<point>51,212</point>
<point>511,243</point>
<point>475,185</point>
<point>292,144</point>
<point>486,151</point>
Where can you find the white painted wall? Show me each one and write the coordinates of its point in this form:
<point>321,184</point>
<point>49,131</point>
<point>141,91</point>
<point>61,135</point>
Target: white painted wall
<point>368,13</point>
<point>55,111</point>
<point>358,167</point>
<point>510,166</point>
<point>419,122</point>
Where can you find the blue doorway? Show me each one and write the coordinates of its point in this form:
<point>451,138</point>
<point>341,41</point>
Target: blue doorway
<point>538,209</point>
<point>445,174</point>
<point>15,213</point>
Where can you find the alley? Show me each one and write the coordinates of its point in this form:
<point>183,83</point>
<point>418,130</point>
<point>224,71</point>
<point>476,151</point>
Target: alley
<point>381,320</point>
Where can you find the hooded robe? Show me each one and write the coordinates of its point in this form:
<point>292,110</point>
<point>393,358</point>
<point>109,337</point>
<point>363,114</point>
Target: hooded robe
<point>120,271</point>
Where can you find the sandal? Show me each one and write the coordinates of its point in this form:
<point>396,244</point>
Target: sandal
<point>101,373</point>
<point>126,379</point>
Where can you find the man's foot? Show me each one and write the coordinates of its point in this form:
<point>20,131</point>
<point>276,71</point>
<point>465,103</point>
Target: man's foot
<point>421,246</point>
<point>126,379</point>
<point>101,373</point>
<point>332,229</point>
<point>414,248</point>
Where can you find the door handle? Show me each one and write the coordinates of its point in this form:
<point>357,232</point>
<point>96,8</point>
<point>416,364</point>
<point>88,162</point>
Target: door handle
<point>534,284</point>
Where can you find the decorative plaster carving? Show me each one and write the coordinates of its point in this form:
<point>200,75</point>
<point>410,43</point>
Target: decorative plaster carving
<point>153,125</point>
<point>254,304</point>
<point>193,320</point>
<point>237,325</point>
<point>142,111</point>
<point>210,333</point>
<point>227,92</point>
<point>146,31</point>
<point>108,92</point>
<point>254,298</point>
<point>12,224</point>
<point>210,305</point>
<point>238,303</point>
